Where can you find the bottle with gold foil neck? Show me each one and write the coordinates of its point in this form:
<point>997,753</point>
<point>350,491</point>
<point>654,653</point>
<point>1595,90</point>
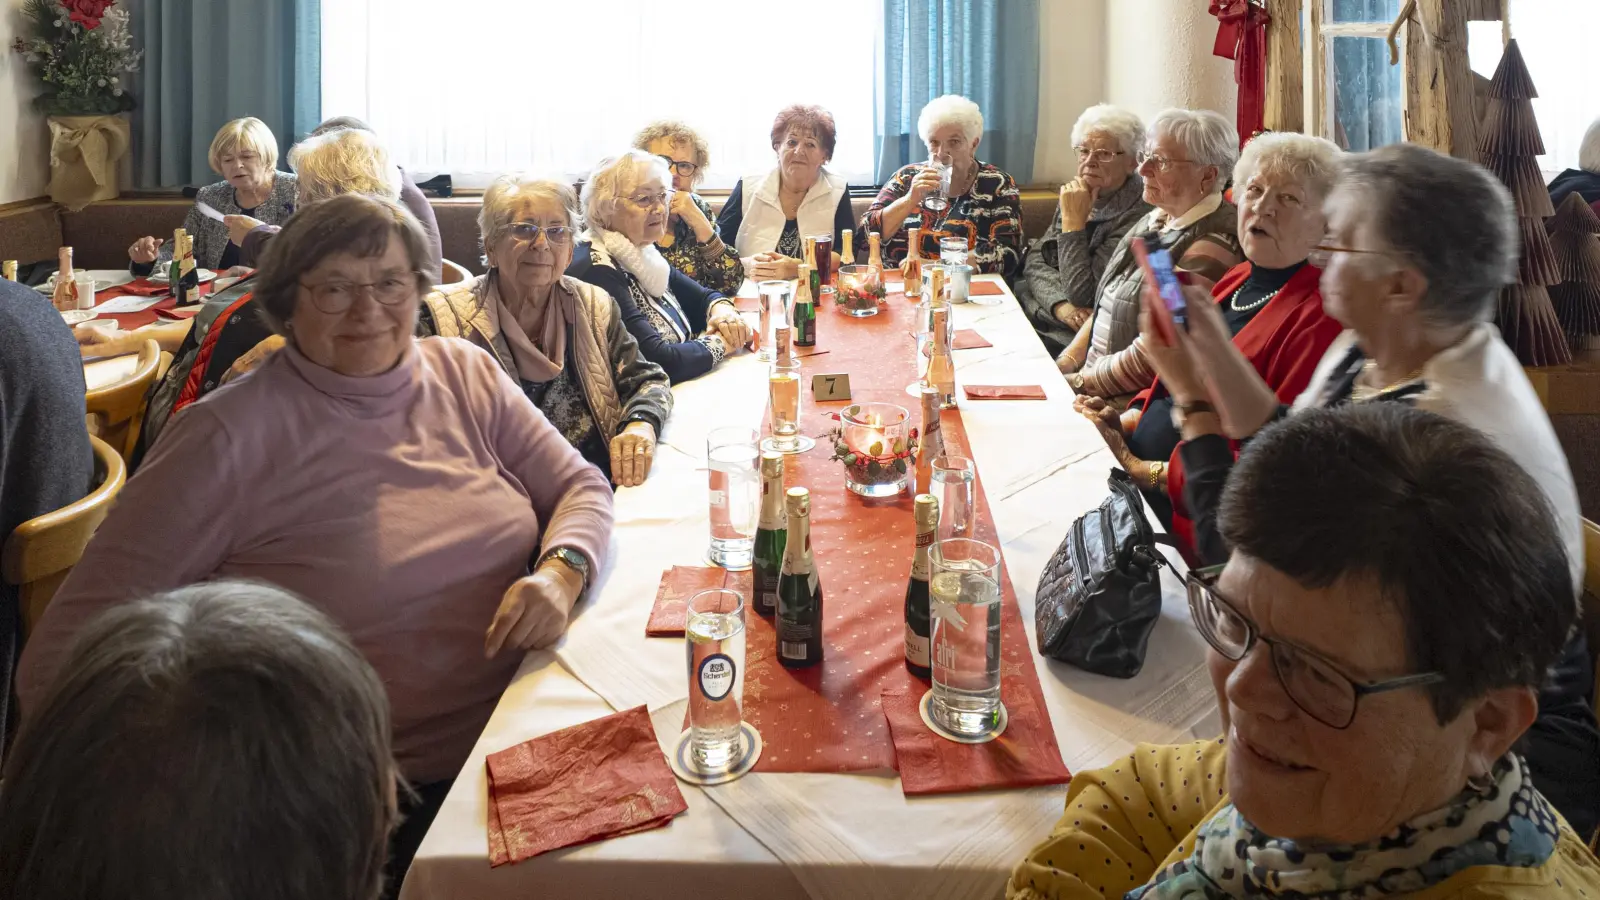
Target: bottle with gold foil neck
<point>847,248</point>
<point>799,619</point>
<point>8,270</point>
<point>65,294</point>
<point>875,252</point>
<point>930,442</point>
<point>805,308</point>
<point>771,536</point>
<point>941,365</point>
<point>913,266</point>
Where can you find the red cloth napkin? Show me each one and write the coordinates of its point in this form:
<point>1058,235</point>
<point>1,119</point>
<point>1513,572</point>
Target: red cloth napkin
<point>969,339</point>
<point>144,287</point>
<point>1004,392</point>
<point>929,764</point>
<point>590,782</point>
<point>984,289</point>
<point>669,616</point>
<point>179,314</point>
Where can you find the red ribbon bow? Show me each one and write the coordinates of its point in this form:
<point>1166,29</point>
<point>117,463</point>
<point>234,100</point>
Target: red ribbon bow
<point>1242,37</point>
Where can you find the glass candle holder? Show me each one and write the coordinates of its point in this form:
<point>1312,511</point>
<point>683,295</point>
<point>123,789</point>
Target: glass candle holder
<point>860,290</point>
<point>874,442</point>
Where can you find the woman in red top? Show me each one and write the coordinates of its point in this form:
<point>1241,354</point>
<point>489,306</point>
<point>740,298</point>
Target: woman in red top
<point>1270,302</point>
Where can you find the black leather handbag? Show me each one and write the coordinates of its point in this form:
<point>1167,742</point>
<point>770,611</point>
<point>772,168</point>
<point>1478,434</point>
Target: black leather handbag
<point>1100,595</point>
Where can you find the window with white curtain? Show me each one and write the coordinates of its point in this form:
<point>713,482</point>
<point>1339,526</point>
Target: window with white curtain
<point>1554,36</point>
<point>477,88</point>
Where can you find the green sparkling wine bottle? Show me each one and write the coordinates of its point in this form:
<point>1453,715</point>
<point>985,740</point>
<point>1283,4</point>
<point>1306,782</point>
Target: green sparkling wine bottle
<point>805,310</point>
<point>770,537</point>
<point>799,590</point>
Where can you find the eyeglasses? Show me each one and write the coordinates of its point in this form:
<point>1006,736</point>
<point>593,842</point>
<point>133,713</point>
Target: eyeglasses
<point>1313,683</point>
<point>1322,254</point>
<point>1100,156</point>
<point>681,166</point>
<point>647,202</point>
<point>1163,163</point>
<point>528,233</point>
<point>335,296</point>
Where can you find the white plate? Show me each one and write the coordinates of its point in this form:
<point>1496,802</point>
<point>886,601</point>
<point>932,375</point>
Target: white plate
<point>162,277</point>
<point>49,287</point>
<point>76,316</point>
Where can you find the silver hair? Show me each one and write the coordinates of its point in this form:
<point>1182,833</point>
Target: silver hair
<point>951,109</point>
<point>499,202</point>
<point>343,161</point>
<point>1208,137</point>
<point>1589,150</point>
<point>613,178</point>
<point>1311,161</point>
<point>1120,124</point>
<point>1450,219</point>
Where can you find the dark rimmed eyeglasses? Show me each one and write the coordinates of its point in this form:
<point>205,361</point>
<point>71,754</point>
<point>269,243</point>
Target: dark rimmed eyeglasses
<point>335,296</point>
<point>680,166</point>
<point>528,232</point>
<point>1315,685</point>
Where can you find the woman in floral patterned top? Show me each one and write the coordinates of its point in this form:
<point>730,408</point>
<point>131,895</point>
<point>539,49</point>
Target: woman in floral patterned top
<point>984,204</point>
<point>692,244</point>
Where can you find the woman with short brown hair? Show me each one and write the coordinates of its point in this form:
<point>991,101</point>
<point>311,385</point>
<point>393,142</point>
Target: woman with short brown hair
<point>407,488</point>
<point>771,217</point>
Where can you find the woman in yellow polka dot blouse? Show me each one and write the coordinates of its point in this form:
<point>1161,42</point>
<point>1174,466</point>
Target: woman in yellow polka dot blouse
<point>1377,639</point>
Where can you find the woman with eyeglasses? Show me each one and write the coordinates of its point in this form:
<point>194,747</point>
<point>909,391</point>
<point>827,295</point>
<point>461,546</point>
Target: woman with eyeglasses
<point>1377,640</point>
<point>1185,167</point>
<point>1418,247</point>
<point>681,326</point>
<point>1061,270</point>
<point>692,243</point>
<point>407,488</point>
<point>770,214</point>
<point>562,340</point>
<point>1270,304</point>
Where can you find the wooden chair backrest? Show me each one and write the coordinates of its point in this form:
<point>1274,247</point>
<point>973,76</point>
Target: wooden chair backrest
<point>37,556</point>
<point>453,273</point>
<point>117,410</point>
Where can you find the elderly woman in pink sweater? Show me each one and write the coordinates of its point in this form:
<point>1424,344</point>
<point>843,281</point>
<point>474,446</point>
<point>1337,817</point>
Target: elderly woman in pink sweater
<point>408,488</point>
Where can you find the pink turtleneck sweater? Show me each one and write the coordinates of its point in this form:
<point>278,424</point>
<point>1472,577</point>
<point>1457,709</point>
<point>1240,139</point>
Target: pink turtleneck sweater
<point>401,505</point>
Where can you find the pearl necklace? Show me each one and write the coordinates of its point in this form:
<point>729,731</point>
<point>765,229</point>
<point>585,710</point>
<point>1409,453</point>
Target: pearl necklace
<point>1233,301</point>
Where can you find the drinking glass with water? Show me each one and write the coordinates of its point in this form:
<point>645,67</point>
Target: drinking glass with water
<point>714,642</point>
<point>775,299</point>
<point>964,606</point>
<point>733,457</point>
<point>954,479</point>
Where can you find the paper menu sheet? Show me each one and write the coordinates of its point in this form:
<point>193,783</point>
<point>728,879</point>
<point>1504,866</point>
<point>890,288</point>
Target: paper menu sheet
<point>128,304</point>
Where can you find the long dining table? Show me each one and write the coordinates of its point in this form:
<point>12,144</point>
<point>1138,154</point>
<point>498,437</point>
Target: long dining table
<point>779,836</point>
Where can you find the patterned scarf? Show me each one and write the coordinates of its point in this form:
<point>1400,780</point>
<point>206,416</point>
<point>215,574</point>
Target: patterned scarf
<point>1509,824</point>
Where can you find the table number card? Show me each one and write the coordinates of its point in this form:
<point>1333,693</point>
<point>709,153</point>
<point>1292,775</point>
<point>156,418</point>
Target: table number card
<point>826,388</point>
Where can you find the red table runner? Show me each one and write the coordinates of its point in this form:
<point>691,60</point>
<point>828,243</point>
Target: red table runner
<point>829,718</point>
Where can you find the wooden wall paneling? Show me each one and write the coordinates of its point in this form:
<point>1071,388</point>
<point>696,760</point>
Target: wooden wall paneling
<point>1440,103</point>
<point>1285,67</point>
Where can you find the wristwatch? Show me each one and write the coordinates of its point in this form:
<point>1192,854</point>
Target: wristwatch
<point>573,558</point>
<point>1182,411</point>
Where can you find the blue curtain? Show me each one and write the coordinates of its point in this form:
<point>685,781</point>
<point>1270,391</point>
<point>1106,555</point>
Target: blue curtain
<point>985,50</point>
<point>210,61</point>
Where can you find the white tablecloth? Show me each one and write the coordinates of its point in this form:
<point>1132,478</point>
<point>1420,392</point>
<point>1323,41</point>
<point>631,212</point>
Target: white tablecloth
<point>781,836</point>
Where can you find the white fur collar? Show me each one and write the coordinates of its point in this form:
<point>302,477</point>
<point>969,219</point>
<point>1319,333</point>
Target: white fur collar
<point>647,265</point>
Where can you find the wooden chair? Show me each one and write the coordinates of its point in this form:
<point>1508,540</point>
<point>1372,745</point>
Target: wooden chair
<point>1591,598</point>
<point>454,273</point>
<point>37,556</point>
<point>117,411</point>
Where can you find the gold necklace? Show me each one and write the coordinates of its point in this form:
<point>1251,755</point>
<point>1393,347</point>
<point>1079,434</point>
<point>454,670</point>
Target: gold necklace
<point>1360,393</point>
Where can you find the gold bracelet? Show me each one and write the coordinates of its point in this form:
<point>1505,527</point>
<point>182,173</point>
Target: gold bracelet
<point>1157,469</point>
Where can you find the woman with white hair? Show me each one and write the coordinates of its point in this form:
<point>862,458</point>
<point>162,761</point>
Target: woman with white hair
<point>1185,170</point>
<point>562,340</point>
<point>245,153</point>
<point>983,206</point>
<point>680,325</point>
<point>1061,270</point>
<point>769,214</point>
<point>692,243</point>
<point>1271,305</point>
<point>1585,179</point>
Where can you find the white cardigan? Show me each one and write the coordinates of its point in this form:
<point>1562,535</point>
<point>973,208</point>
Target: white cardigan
<point>763,214</point>
<point>1479,382</point>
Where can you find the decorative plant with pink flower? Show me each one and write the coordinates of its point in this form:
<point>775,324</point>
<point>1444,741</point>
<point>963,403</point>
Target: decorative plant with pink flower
<point>83,51</point>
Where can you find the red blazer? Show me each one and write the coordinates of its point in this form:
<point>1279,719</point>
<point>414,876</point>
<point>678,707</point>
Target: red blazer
<point>1284,341</point>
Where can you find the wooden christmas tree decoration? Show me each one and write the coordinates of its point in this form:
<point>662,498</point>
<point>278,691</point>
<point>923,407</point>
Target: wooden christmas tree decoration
<point>1509,144</point>
<point>1575,238</point>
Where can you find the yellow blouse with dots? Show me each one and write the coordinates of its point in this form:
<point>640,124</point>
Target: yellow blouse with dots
<point>1126,822</point>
